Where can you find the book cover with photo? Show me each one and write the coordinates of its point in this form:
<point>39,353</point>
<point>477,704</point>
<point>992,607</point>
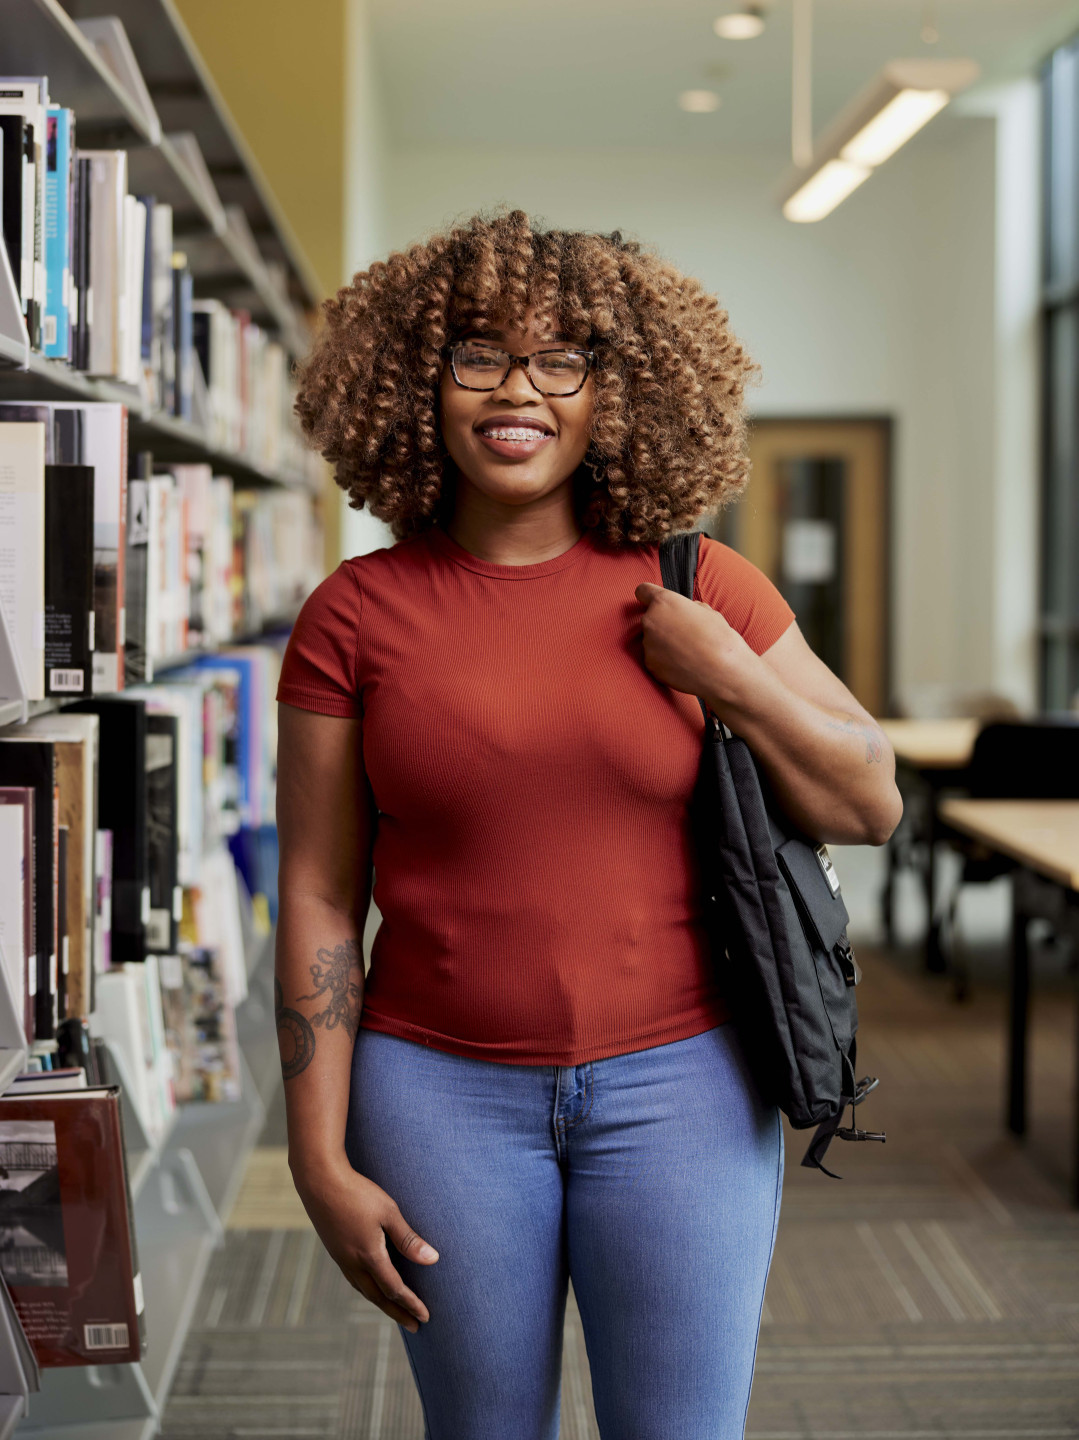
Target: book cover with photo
<point>66,1239</point>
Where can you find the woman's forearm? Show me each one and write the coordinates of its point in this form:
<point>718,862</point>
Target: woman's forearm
<point>834,773</point>
<point>318,999</point>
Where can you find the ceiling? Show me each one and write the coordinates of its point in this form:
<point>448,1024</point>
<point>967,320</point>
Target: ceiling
<point>599,73</point>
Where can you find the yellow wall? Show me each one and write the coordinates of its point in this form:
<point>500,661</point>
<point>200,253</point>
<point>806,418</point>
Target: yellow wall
<point>281,70</point>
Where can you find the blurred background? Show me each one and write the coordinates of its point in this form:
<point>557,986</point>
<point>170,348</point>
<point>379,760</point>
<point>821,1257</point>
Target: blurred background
<point>885,196</point>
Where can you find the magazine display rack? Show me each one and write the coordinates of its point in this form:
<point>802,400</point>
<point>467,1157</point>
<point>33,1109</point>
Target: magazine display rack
<point>184,148</point>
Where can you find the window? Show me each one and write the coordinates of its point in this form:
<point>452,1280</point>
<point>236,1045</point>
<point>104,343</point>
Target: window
<point>1060,311</point>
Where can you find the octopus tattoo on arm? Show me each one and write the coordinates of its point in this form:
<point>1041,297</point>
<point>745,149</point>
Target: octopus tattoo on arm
<point>338,980</point>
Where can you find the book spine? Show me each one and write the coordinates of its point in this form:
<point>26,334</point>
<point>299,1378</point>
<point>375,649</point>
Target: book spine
<point>56,326</point>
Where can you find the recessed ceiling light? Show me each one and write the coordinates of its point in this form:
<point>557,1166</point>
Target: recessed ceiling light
<point>699,102</point>
<point>745,23</point>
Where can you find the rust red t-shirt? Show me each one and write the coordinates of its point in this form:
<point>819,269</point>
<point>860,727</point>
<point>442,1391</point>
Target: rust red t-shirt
<point>533,864</point>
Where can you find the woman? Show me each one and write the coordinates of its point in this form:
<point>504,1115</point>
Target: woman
<point>538,1078</point>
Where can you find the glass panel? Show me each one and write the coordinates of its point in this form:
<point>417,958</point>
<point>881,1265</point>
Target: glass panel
<point>810,494</point>
<point>1061,484</point>
<point>1062,167</point>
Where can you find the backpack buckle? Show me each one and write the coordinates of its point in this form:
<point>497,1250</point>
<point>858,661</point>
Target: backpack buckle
<point>852,972</point>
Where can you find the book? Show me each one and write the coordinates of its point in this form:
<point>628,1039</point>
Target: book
<point>98,437</point>
<point>200,1028</point>
<point>81,289</point>
<point>129,1018</point>
<point>18,189</point>
<point>28,97</point>
<point>69,579</point>
<point>131,295</point>
<point>183,347</point>
<point>17,897</point>
<point>163,351</point>
<point>161,832</point>
<point>28,761</point>
<point>63,949</point>
<point>138,667</point>
<point>48,1082</point>
<point>102,901</point>
<point>75,739</point>
<point>93,433</point>
<point>22,546</point>
<point>66,1237</point>
<point>108,188</point>
<point>59,194</point>
<point>122,810</point>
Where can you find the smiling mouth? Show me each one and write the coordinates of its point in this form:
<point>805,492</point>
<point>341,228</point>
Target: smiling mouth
<point>514,434</point>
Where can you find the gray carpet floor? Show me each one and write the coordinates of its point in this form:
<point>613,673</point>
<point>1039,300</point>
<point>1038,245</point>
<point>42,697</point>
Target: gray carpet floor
<point>932,1294</point>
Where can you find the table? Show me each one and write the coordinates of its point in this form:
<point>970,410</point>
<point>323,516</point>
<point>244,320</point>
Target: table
<point>931,756</point>
<point>1042,837</point>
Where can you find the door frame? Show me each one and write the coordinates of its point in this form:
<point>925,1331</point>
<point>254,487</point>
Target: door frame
<point>869,672</point>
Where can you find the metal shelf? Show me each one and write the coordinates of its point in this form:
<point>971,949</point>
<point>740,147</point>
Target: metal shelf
<point>186,1188</point>
<point>169,437</point>
<point>187,98</point>
<point>39,37</point>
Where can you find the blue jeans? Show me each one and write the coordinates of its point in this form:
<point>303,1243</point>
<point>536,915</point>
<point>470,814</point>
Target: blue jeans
<point>651,1179</point>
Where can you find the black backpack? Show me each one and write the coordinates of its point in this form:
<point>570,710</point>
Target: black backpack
<point>777,926</point>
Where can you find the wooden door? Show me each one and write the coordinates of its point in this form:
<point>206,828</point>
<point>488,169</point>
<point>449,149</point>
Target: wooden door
<point>815,519</point>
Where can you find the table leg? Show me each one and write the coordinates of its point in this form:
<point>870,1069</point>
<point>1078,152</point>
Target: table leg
<point>934,956</point>
<point>1019,1010</point>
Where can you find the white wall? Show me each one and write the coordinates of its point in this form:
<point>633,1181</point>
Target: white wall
<point>365,206</point>
<point>889,307</point>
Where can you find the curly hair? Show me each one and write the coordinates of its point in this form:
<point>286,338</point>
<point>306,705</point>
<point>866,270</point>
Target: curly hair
<point>667,441</point>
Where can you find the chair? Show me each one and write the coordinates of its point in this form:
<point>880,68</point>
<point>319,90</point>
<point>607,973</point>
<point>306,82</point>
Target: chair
<point>1012,760</point>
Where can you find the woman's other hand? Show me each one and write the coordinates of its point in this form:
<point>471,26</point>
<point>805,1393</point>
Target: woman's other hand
<point>353,1218</point>
<point>688,645</point>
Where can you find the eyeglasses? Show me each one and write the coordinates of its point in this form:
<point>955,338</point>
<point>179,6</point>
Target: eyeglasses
<point>478,366</point>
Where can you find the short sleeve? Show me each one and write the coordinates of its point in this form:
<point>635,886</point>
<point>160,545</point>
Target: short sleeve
<point>318,671</point>
<point>743,595</point>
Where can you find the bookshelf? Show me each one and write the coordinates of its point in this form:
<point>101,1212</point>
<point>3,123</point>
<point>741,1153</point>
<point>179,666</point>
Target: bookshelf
<point>241,250</point>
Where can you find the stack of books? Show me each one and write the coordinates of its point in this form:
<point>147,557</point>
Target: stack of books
<point>119,895</point>
<point>106,578</point>
<point>103,287</point>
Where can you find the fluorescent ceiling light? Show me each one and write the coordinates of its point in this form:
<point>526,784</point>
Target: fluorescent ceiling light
<point>897,122</point>
<point>901,100</point>
<point>744,24</point>
<point>826,189</point>
<point>699,102</point>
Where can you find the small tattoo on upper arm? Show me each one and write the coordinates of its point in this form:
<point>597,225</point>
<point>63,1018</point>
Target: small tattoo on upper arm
<point>334,976</point>
<point>874,748</point>
<point>295,1037</point>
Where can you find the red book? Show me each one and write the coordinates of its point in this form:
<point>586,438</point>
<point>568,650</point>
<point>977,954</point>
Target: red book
<point>67,1247</point>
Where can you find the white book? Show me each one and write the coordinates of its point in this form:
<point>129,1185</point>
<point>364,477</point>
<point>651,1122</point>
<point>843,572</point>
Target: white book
<point>22,546</point>
<point>108,189</point>
<point>162,358</point>
<point>14,942</point>
<point>219,561</point>
<point>120,1016</point>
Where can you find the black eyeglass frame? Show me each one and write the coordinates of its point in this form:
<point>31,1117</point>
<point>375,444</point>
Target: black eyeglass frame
<point>523,361</point>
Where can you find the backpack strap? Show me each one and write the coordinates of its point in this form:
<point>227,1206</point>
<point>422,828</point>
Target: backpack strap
<point>678,556</point>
